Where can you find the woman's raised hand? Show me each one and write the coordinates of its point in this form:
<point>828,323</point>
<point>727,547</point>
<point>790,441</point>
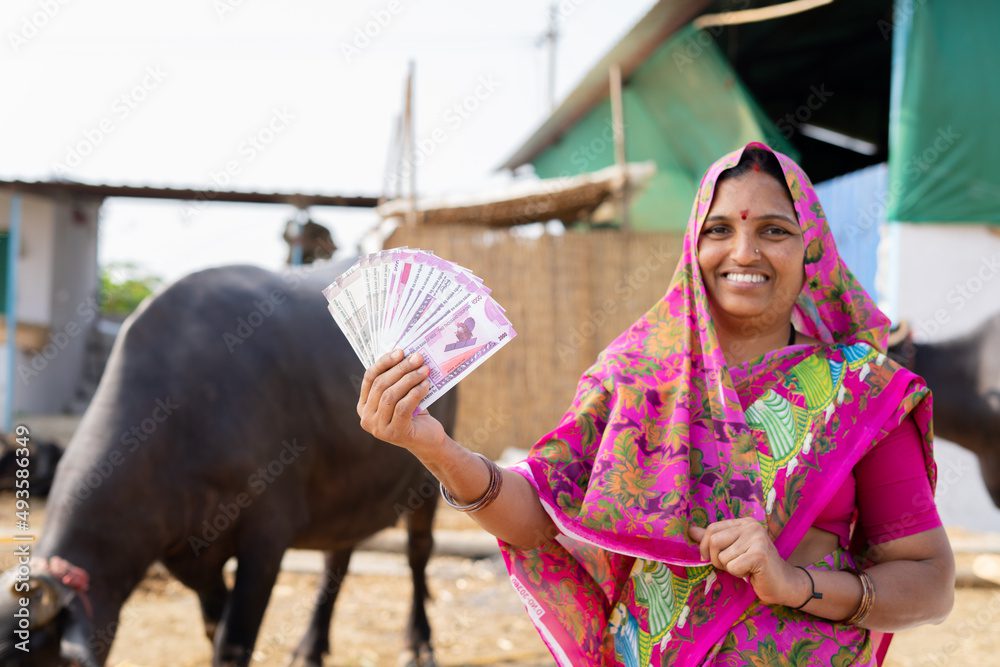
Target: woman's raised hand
<point>390,393</point>
<point>744,549</point>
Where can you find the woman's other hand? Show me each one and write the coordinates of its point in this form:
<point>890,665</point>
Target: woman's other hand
<point>744,549</point>
<point>390,393</point>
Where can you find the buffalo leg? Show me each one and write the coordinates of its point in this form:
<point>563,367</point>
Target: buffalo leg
<point>316,642</point>
<point>419,525</point>
<point>989,467</point>
<point>213,604</point>
<point>203,576</point>
<point>256,572</point>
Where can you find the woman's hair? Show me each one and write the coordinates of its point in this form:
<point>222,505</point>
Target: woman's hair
<point>757,159</point>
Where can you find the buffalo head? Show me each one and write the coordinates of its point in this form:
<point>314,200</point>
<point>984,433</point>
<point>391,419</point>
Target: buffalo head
<point>45,616</point>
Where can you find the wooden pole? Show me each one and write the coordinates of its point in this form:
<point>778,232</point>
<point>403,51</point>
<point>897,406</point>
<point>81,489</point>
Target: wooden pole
<point>618,127</point>
<point>392,176</point>
<point>410,145</point>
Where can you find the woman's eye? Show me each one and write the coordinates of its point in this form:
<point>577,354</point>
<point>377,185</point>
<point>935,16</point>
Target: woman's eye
<point>776,231</point>
<point>717,229</point>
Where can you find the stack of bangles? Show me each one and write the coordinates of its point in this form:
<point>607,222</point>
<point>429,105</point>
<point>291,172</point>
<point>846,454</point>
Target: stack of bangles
<point>867,596</point>
<point>867,599</point>
<point>492,489</point>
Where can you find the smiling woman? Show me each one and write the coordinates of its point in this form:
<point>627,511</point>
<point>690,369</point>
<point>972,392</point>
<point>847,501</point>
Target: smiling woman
<point>751,256</point>
<point>743,476</point>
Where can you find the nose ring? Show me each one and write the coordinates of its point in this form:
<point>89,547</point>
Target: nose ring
<point>756,251</point>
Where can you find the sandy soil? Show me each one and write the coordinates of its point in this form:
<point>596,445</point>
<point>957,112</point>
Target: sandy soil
<point>475,615</point>
<point>477,620</point>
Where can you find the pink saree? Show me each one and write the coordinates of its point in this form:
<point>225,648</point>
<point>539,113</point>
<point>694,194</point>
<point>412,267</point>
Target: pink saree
<point>661,434</point>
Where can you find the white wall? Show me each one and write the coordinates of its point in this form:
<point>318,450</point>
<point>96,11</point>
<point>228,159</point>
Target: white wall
<point>34,288</point>
<point>73,306</point>
<point>57,274</point>
<point>944,279</point>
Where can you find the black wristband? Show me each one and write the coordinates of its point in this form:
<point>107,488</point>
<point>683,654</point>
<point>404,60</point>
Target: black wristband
<point>812,596</point>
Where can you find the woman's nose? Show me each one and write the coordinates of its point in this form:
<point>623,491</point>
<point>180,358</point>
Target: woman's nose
<point>744,248</point>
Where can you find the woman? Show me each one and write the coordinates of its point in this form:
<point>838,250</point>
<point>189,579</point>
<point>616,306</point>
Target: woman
<point>742,478</point>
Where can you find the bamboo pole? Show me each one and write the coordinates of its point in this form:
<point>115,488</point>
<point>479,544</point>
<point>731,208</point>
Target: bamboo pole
<point>411,143</point>
<point>618,126</point>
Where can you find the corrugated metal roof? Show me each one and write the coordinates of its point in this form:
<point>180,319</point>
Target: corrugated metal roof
<point>103,190</point>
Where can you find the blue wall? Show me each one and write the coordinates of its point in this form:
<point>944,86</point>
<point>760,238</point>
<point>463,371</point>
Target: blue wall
<point>855,207</point>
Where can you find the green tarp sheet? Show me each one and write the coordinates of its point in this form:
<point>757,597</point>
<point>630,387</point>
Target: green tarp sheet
<point>684,107</point>
<point>944,136</point>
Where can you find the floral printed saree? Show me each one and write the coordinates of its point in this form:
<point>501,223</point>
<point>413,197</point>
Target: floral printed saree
<point>662,434</point>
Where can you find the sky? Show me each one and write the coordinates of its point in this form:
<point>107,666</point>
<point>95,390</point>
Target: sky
<point>293,96</point>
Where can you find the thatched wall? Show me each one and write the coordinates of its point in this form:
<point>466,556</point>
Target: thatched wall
<point>567,296</point>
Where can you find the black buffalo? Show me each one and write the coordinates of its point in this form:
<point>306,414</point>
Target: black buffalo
<point>225,425</point>
<point>41,467</point>
<point>964,376</point>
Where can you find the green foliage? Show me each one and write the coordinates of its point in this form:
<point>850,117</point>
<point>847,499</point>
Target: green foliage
<point>123,287</point>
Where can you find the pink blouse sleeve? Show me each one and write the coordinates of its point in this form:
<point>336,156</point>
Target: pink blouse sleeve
<point>894,494</point>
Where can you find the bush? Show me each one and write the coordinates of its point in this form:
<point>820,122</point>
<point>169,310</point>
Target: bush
<point>123,287</point>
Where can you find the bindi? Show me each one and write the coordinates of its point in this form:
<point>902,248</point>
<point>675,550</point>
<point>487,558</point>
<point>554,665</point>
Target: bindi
<point>744,213</point>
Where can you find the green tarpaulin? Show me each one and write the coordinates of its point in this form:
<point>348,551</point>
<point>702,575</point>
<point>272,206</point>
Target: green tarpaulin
<point>684,107</point>
<point>944,138</point>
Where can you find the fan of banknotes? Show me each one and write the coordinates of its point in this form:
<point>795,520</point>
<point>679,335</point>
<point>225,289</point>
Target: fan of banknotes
<point>412,299</point>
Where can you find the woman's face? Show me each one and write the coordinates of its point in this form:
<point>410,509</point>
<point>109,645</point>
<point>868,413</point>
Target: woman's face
<point>750,251</point>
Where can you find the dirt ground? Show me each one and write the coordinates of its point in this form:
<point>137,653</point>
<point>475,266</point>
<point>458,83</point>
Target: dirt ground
<point>475,615</point>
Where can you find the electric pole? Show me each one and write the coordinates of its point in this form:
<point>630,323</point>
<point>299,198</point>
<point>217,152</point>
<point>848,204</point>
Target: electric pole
<point>550,40</point>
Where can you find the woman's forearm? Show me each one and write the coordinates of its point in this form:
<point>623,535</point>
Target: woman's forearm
<point>907,593</point>
<point>516,516</point>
